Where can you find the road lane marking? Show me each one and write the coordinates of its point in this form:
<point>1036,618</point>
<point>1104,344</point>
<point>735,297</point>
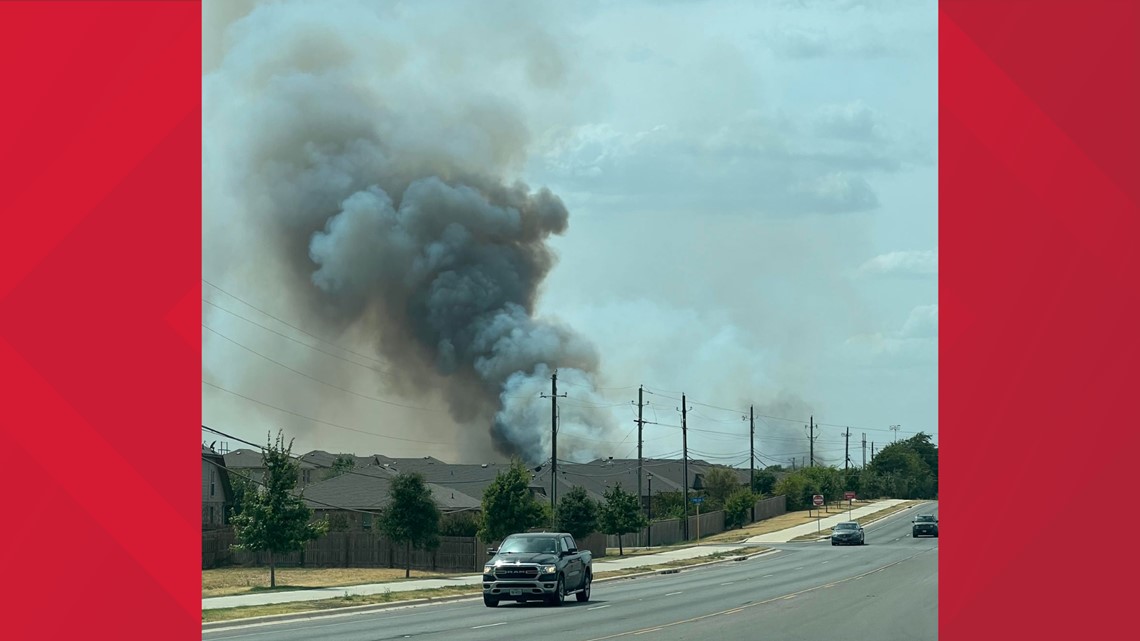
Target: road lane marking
<point>729,583</point>
<point>766,576</point>
<point>489,625</point>
<point>674,593</point>
<point>752,605</point>
<point>825,562</point>
<point>598,607</point>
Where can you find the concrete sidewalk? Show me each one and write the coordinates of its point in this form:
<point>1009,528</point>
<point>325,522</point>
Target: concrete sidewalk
<point>608,564</point>
<point>783,536</point>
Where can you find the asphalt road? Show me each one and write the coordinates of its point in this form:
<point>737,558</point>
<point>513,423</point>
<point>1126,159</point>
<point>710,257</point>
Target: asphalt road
<point>885,590</point>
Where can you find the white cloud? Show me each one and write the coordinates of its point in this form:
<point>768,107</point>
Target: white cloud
<point>904,263</point>
<point>916,342</point>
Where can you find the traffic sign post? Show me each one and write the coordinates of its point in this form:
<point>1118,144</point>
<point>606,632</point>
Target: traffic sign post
<point>850,496</point>
<point>817,500</point>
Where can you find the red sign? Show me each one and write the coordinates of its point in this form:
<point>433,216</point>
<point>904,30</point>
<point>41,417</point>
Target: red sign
<point>817,499</point>
<point>848,495</point>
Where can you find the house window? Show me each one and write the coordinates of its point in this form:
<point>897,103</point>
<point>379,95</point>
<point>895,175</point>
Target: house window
<point>366,521</point>
<point>212,475</point>
<point>305,476</point>
<point>211,515</point>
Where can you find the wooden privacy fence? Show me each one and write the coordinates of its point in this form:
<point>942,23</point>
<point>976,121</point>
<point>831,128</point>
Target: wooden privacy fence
<point>672,531</point>
<point>349,550</point>
<point>364,550</point>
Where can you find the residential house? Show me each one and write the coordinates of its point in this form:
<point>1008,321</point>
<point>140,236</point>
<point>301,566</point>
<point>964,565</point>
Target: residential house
<point>353,500</point>
<point>249,463</point>
<point>217,495</point>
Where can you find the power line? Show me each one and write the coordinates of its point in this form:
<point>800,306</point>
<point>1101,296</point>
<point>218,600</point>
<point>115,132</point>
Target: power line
<point>313,378</point>
<point>317,420</point>
<point>385,373</point>
<point>288,324</point>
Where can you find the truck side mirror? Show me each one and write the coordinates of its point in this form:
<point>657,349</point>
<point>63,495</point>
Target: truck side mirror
<point>492,551</point>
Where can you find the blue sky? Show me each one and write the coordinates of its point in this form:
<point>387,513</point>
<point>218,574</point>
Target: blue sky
<point>752,191</point>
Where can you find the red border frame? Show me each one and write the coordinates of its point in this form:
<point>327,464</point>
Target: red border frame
<point>100,291</point>
<point>1038,217</point>
<point>100,132</point>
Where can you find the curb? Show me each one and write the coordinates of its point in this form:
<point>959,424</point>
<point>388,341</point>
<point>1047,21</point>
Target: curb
<point>354,609</point>
<point>350,609</point>
<point>871,522</point>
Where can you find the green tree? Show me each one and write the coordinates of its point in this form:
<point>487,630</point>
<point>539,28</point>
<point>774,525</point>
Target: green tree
<point>242,486</point>
<point>620,514</point>
<point>668,505</point>
<point>342,464</point>
<point>794,487</point>
<point>509,507</point>
<point>274,518</point>
<point>577,513</point>
<point>763,482</point>
<point>460,524</point>
<point>737,508</point>
<point>719,484</point>
<point>411,516</point>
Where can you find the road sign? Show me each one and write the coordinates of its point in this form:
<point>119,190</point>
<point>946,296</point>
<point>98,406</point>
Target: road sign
<point>697,499</point>
<point>849,495</point>
<point>817,499</point>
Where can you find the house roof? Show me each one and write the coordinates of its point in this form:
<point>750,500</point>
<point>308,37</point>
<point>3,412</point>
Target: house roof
<point>368,490</point>
<point>470,479</point>
<point>251,459</point>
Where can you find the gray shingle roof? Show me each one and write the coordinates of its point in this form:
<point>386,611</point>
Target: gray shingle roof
<point>368,490</point>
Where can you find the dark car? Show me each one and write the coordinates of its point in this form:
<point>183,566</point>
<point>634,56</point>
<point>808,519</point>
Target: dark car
<point>543,566</point>
<point>848,533</point>
<point>924,525</point>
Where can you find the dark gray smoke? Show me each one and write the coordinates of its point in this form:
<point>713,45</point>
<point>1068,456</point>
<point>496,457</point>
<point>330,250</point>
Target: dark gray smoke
<point>381,179</point>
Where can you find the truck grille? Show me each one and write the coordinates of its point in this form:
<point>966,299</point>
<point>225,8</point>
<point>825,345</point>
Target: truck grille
<point>516,572</point>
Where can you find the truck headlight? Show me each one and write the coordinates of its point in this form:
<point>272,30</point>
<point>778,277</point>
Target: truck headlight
<point>488,569</point>
<point>547,569</point>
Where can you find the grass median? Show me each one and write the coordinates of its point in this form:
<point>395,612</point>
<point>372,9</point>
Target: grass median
<point>324,605</point>
<point>237,581</point>
<point>874,516</point>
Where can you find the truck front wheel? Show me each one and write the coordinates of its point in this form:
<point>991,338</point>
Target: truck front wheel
<point>559,596</point>
<point>490,601</point>
<point>584,594</point>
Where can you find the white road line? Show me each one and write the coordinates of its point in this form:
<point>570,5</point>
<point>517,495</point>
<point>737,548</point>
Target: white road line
<point>598,607</point>
<point>825,562</point>
<point>729,583</point>
<point>674,593</point>
<point>800,568</point>
<point>765,576</point>
<point>489,625</point>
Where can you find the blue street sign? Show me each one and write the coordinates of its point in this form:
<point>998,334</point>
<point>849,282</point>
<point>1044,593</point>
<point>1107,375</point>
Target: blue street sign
<point>697,499</point>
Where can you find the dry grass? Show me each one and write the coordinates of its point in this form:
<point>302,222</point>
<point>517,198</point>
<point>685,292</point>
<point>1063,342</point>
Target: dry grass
<point>231,581</point>
<point>874,516</point>
<point>777,523</point>
<point>230,614</point>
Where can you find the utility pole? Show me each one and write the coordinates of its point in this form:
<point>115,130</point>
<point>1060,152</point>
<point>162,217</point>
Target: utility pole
<point>872,451</point>
<point>554,442</point>
<point>685,455</point>
<point>640,426</point>
<point>752,454</point>
<point>846,450</point>
<point>811,439</point>
<point>895,429</point>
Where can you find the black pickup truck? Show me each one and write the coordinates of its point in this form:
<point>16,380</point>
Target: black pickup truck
<point>543,566</point>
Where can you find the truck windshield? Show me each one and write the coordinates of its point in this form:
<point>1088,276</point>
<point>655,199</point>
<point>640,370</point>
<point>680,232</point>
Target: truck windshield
<point>528,545</point>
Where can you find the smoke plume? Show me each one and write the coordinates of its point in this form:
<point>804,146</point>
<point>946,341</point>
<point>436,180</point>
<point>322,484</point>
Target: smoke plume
<point>379,177</point>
